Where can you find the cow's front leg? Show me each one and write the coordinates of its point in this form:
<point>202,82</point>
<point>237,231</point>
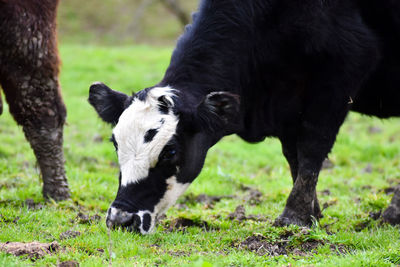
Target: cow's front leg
<point>316,136</point>
<point>36,104</point>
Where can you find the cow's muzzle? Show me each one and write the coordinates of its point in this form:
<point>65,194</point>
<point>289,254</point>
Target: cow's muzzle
<point>118,218</point>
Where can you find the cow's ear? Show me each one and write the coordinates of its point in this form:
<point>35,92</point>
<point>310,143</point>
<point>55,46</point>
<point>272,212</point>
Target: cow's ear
<point>219,110</point>
<point>108,103</point>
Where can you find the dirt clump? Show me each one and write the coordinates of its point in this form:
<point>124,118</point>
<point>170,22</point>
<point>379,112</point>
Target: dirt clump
<point>69,234</point>
<point>253,197</point>
<point>240,215</point>
<point>31,204</point>
<point>33,250</point>
<point>205,199</point>
<point>375,215</point>
<point>68,264</point>
<point>181,224</point>
<point>261,246</point>
<point>389,190</point>
<point>86,219</point>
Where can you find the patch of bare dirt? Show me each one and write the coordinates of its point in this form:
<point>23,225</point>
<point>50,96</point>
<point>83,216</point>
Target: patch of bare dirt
<point>69,234</point>
<point>240,215</point>
<point>389,190</point>
<point>181,224</point>
<point>261,246</point>
<point>253,197</point>
<point>204,199</point>
<point>83,218</point>
<point>375,215</point>
<point>33,250</point>
<point>68,264</point>
<point>31,204</point>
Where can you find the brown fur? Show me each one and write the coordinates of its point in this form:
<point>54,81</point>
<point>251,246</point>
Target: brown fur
<point>29,67</point>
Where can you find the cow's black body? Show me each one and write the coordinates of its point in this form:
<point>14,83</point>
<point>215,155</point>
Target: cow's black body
<point>297,66</point>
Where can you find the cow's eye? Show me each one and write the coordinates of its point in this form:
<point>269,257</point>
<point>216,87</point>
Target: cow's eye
<point>168,154</point>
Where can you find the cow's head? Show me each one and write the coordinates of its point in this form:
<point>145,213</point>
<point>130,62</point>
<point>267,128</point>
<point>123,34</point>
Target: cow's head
<point>161,142</point>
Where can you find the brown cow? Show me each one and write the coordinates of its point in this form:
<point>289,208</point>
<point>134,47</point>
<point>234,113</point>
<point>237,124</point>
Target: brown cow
<point>29,67</point>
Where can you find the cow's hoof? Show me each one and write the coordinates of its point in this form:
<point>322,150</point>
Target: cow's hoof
<point>57,194</point>
<point>391,215</point>
<point>290,216</point>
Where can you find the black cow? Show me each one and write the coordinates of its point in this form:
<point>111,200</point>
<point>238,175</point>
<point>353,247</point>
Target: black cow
<point>290,69</point>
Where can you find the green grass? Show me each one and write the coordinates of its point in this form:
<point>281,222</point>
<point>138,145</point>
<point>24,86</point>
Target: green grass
<point>93,180</point>
<point>113,22</point>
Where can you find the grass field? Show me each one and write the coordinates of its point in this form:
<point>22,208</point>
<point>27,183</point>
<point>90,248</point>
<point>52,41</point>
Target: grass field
<point>366,164</point>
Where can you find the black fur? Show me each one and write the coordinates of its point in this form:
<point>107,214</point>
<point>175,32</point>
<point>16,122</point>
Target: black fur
<point>148,137</point>
<point>298,66</point>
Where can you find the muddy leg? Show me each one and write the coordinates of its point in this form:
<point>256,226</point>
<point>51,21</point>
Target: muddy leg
<point>47,142</point>
<point>302,205</point>
<point>36,104</point>
<point>392,213</point>
<point>320,124</point>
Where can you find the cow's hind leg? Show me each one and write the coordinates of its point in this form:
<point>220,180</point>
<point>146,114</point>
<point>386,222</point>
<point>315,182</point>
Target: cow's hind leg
<point>392,213</point>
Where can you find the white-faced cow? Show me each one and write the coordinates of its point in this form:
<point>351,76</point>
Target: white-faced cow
<point>290,69</point>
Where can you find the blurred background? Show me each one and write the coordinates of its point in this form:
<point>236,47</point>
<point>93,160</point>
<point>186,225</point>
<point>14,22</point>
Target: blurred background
<point>121,22</point>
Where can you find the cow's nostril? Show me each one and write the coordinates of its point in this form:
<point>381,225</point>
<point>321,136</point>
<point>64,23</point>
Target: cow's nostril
<point>119,218</point>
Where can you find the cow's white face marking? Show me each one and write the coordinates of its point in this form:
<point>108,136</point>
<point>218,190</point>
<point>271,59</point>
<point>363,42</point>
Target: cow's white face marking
<point>174,191</point>
<point>136,156</point>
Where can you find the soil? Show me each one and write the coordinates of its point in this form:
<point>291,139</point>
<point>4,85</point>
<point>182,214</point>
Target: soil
<point>33,250</point>
<point>205,199</point>
<point>181,224</point>
<point>375,215</point>
<point>240,215</point>
<point>254,197</point>
<point>389,190</point>
<point>261,246</point>
<point>68,264</point>
<point>69,234</point>
<point>86,219</point>
<point>30,203</point>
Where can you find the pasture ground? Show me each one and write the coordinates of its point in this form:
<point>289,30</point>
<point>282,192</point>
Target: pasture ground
<point>203,229</point>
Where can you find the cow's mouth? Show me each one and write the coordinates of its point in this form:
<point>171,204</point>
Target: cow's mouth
<point>140,222</point>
